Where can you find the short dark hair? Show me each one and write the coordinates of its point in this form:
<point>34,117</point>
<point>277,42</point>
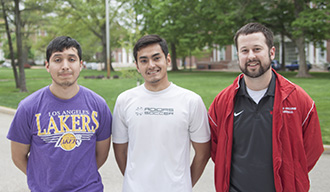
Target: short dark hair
<point>148,40</point>
<point>61,43</point>
<point>255,28</point>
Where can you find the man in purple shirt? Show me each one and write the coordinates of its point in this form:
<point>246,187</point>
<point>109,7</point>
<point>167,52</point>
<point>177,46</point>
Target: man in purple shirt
<point>60,135</point>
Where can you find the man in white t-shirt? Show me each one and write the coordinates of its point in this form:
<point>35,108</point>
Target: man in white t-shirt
<point>154,125</point>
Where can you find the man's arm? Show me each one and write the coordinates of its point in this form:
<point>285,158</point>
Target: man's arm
<point>202,155</point>
<point>19,155</point>
<point>102,151</point>
<point>312,138</point>
<point>121,155</point>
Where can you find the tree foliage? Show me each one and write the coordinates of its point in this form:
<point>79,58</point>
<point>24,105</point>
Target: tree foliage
<point>187,25</point>
<point>179,22</point>
<point>302,21</point>
<point>85,21</point>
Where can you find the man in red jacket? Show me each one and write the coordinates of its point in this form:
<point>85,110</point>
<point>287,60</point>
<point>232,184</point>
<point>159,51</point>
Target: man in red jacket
<point>265,130</point>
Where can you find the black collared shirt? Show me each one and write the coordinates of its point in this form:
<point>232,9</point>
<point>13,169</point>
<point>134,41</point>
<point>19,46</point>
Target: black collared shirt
<point>252,163</point>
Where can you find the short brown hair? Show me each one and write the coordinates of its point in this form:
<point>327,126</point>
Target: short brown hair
<point>255,28</point>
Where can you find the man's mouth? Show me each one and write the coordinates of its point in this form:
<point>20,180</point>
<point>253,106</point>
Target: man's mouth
<point>65,74</point>
<point>253,63</point>
<point>152,72</point>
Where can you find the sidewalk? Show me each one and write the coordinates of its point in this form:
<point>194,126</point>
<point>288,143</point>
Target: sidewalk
<point>13,180</point>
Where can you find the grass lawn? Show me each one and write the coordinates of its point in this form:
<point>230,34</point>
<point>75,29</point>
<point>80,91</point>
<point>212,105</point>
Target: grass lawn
<point>205,83</point>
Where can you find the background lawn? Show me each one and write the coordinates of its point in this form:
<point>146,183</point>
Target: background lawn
<point>205,83</point>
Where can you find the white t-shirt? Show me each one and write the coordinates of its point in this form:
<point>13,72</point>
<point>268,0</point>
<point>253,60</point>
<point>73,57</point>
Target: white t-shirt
<point>158,127</point>
<point>256,95</point>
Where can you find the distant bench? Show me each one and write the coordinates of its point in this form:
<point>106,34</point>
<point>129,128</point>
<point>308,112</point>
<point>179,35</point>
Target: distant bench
<point>203,65</point>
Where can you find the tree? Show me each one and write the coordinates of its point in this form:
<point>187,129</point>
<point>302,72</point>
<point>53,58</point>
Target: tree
<point>79,17</point>
<point>32,22</point>
<point>19,48</point>
<point>11,50</point>
<point>299,38</point>
<point>179,22</point>
<point>311,25</point>
<point>302,21</point>
<point>26,22</point>
<point>280,16</point>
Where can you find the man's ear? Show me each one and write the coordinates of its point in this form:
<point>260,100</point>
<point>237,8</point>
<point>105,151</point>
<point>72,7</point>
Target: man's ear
<point>47,66</point>
<point>272,52</point>
<point>168,59</point>
<point>81,64</point>
<point>137,66</point>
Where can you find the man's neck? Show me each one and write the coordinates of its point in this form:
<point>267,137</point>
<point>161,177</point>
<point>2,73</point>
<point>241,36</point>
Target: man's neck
<point>64,93</point>
<point>259,83</point>
<point>157,87</point>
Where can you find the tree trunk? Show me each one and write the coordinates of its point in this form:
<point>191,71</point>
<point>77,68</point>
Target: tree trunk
<point>173,58</point>
<point>184,62</point>
<point>11,49</point>
<point>300,43</point>
<point>283,53</point>
<point>20,48</point>
<point>25,52</point>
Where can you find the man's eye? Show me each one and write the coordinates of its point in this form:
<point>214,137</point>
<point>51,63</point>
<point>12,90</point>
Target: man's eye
<point>57,60</point>
<point>72,60</point>
<point>143,61</point>
<point>156,58</point>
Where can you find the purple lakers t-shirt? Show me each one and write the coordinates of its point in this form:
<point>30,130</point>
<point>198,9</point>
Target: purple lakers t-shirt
<point>62,135</point>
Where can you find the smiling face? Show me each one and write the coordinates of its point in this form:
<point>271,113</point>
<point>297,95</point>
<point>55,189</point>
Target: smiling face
<point>254,55</point>
<point>152,64</point>
<point>64,67</point>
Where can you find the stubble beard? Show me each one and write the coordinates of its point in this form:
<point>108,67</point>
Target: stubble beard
<point>65,84</point>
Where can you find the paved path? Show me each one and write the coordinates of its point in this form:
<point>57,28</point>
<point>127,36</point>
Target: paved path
<point>13,180</point>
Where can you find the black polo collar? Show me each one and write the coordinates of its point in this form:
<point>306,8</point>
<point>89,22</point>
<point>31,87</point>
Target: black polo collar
<point>270,89</point>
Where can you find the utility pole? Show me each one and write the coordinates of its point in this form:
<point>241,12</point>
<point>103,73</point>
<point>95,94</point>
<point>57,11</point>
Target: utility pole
<point>107,36</point>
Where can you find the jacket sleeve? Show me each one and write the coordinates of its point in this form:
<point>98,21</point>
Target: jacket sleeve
<point>312,137</point>
<point>212,115</point>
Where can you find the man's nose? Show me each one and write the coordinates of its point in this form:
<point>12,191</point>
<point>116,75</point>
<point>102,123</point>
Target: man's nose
<point>151,63</point>
<point>65,64</point>
<point>251,54</point>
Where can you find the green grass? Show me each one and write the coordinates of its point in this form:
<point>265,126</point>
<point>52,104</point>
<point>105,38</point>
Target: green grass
<point>205,83</point>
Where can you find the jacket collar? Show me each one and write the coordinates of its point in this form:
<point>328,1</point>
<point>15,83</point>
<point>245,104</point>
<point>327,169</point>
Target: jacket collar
<point>282,84</point>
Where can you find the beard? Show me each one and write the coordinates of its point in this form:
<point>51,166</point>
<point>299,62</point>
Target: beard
<point>256,73</point>
<point>65,84</point>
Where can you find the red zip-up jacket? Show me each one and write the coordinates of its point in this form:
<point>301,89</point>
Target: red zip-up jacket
<point>296,136</point>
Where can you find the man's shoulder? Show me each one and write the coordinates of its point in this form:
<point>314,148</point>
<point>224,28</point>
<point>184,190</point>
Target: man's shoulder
<point>229,91</point>
<point>91,94</point>
<point>226,96</point>
<point>186,92</point>
<point>289,88</point>
<point>87,90</point>
<point>33,100</point>
<point>132,92</point>
<point>35,96</point>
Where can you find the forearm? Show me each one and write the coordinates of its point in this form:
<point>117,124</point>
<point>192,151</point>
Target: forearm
<point>100,160</point>
<point>21,164</point>
<point>102,151</point>
<point>197,167</point>
<point>202,155</point>
<point>121,156</point>
<point>20,155</point>
<point>122,164</point>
